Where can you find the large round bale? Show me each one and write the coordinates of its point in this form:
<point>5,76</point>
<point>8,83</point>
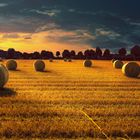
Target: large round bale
<point>11,65</point>
<point>87,63</point>
<point>4,75</point>
<point>131,69</point>
<point>39,65</point>
<point>118,64</point>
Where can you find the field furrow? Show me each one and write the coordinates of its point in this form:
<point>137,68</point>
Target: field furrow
<point>50,104</point>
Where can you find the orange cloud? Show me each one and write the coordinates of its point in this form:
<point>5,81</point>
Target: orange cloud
<point>52,40</point>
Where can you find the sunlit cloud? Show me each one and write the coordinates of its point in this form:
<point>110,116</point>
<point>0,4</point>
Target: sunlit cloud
<point>3,5</point>
<point>11,35</point>
<point>45,40</point>
<point>50,13</point>
<point>77,36</point>
<point>111,34</point>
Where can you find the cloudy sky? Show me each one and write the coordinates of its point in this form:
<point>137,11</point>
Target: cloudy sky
<point>30,25</point>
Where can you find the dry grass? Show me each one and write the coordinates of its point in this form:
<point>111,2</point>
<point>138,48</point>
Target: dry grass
<point>49,104</point>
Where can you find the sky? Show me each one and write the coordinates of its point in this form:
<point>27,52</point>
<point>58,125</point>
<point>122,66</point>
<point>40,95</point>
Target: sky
<point>35,25</point>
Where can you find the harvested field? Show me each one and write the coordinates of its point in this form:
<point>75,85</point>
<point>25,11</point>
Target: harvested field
<point>49,104</point>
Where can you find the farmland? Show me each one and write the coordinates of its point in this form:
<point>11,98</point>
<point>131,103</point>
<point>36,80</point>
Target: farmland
<point>49,104</point>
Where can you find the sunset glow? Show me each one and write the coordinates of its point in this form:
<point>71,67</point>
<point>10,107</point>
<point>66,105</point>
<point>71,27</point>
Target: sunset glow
<point>39,41</point>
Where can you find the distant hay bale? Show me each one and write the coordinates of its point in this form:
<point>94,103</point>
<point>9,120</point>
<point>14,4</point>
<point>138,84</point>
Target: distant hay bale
<point>1,59</point>
<point>50,60</point>
<point>113,60</point>
<point>118,64</point>
<point>39,65</point>
<point>4,75</point>
<point>69,60</point>
<point>87,63</point>
<point>131,69</point>
<point>65,59</point>
<point>11,65</point>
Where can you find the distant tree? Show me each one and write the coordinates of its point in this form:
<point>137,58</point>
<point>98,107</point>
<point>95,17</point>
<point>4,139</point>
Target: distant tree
<point>129,57</point>
<point>47,55</point>
<point>18,55</point>
<point>11,53</point>
<point>92,54</point>
<point>2,54</point>
<point>26,55</point>
<point>87,54</point>
<point>43,54</point>
<point>57,53</point>
<point>98,52</point>
<point>72,54</point>
<point>36,55</point>
<point>136,51</point>
<point>106,53</point>
<point>50,55</point>
<point>122,52</point>
<point>80,55</point>
<point>66,54</point>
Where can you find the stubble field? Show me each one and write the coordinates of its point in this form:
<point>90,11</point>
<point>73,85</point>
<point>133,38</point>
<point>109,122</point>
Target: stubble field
<point>49,104</point>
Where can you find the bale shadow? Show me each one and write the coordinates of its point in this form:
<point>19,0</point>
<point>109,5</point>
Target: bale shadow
<point>94,67</point>
<point>45,71</point>
<point>7,92</point>
<point>15,70</point>
<point>133,77</point>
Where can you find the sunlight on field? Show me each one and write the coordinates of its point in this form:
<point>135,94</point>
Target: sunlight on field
<point>49,104</point>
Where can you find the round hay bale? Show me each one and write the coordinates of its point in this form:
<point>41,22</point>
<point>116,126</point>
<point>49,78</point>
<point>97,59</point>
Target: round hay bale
<point>39,65</point>
<point>1,59</point>
<point>131,69</point>
<point>69,60</point>
<point>51,60</point>
<point>65,59</point>
<point>4,75</point>
<point>87,63</point>
<point>113,60</point>
<point>118,64</point>
<point>11,65</point>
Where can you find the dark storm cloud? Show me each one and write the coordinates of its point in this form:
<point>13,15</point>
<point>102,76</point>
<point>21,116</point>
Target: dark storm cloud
<point>112,23</point>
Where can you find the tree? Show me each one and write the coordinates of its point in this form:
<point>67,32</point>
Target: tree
<point>50,55</point>
<point>98,52</point>
<point>18,55</point>
<point>92,54</point>
<point>66,54</point>
<point>2,54</point>
<point>106,53</point>
<point>80,55</point>
<point>11,53</point>
<point>26,55</point>
<point>72,54</point>
<point>36,55</point>
<point>87,54</point>
<point>57,53</point>
<point>122,52</point>
<point>43,54</point>
<point>136,51</point>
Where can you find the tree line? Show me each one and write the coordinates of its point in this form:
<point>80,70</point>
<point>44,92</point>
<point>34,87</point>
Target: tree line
<point>98,54</point>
